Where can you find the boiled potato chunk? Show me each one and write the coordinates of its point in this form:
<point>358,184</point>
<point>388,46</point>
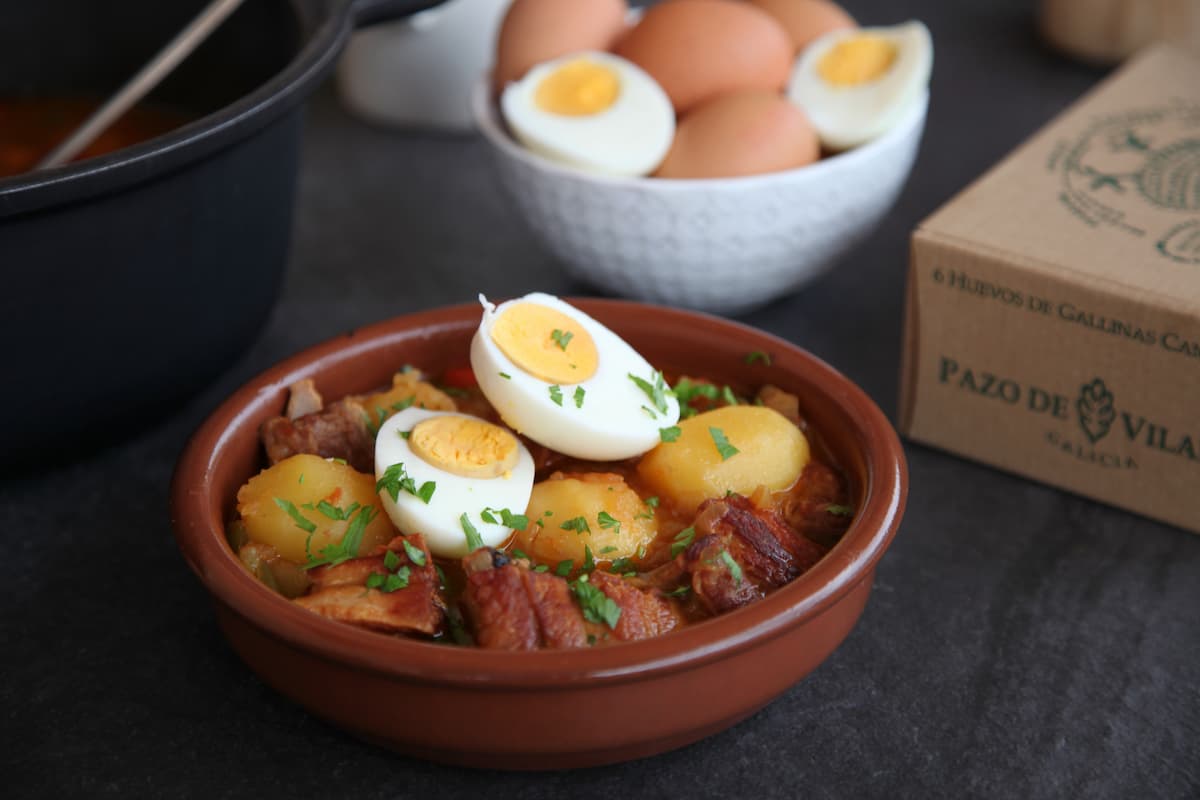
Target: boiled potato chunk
<point>299,484</point>
<point>408,389</point>
<point>771,452</point>
<point>601,512</point>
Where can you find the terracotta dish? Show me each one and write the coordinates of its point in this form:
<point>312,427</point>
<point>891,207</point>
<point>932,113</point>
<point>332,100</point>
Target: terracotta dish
<point>543,710</point>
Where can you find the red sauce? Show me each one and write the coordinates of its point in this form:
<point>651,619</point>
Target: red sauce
<point>31,127</point>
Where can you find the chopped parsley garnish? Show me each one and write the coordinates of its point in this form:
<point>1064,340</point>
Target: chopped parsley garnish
<point>301,480</point>
<point>579,393</point>
<point>608,521</point>
<point>589,562</point>
<point>405,403</point>
<point>517,522</point>
<point>372,425</point>
<point>735,569</point>
<point>687,390</point>
<point>519,553</point>
<point>577,524</point>
<point>839,511</point>
<point>347,548</point>
<point>474,542</point>
<point>597,607</point>
<point>758,357</point>
<point>561,338</point>
<point>391,560</point>
<point>728,396</point>
<point>651,504</point>
<point>556,394</point>
<point>678,591</point>
<point>682,541</point>
<point>726,450</point>
<point>608,549</point>
<point>655,389</point>
<point>415,554</point>
<point>454,391</point>
<point>441,573</point>
<point>670,434</point>
<point>541,568</point>
<point>335,513</point>
<point>404,434</point>
<point>302,522</point>
<point>506,376</point>
<point>564,567</point>
<point>389,583</point>
<point>621,565</point>
<point>336,460</point>
<point>650,412</point>
<point>396,478</point>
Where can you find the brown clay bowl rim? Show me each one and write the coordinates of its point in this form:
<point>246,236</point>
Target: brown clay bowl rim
<point>199,529</point>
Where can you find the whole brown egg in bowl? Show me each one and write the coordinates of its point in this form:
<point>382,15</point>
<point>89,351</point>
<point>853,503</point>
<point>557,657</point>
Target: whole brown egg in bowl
<point>550,707</point>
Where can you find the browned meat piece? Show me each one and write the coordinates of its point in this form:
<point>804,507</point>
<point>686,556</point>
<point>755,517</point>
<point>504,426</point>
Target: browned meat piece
<point>338,431</point>
<point>643,613</point>
<point>303,399</point>
<point>510,607</point>
<point>340,592</point>
<point>741,551</point>
<point>784,402</point>
<point>817,504</point>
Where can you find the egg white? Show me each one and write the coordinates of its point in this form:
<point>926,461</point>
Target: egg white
<point>617,420</point>
<point>440,520</point>
<point>629,138</point>
<point>848,116</point>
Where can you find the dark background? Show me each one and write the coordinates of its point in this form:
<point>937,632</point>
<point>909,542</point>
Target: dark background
<point>1020,642</point>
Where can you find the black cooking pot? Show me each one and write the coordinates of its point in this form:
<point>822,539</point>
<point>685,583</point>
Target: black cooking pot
<point>131,279</point>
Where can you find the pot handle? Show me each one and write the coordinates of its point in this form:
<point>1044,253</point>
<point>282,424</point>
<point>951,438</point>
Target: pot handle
<point>369,12</point>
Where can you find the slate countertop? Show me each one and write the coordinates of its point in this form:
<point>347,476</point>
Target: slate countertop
<point>1020,642</point>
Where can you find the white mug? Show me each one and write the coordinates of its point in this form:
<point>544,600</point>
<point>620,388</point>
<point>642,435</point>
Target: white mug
<point>419,72</point>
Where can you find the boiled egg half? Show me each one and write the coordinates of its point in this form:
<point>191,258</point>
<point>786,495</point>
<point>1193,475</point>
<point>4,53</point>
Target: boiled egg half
<point>594,111</point>
<point>855,84</point>
<point>452,477</point>
<point>566,381</point>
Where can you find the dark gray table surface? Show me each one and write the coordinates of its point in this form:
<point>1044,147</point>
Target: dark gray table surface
<point>1020,642</point>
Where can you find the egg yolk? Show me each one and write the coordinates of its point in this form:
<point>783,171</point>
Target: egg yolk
<point>857,60</point>
<point>465,446</point>
<point>578,89</point>
<point>546,343</point>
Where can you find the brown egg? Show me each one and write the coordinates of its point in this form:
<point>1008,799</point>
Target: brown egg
<point>744,133</point>
<point>534,31</point>
<point>806,20</point>
<point>699,49</point>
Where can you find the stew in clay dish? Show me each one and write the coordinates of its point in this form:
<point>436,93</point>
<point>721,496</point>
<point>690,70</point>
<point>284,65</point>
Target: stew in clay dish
<point>554,491</point>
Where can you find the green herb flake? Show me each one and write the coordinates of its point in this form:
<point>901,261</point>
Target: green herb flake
<point>687,390</point>
<point>375,580</point>
<point>735,569</point>
<point>474,542</point>
<point>564,567</point>
<point>577,524</point>
<point>415,554</point>
<point>541,568</point>
<point>519,553</point>
<point>391,560</point>
<point>561,338</point>
<point>620,565</point>
<point>678,591</point>
<point>608,549</point>
<point>726,450</point>
<point>556,395</point>
<point>728,396</point>
<point>302,522</point>
<point>397,581</point>
<point>655,389</point>
<point>758,357</point>
<point>301,479</point>
<point>682,541</point>
<point>348,547</point>
<point>579,393</point>
<point>839,510</point>
<point>589,562</point>
<point>609,522</point>
<point>425,493</point>
<point>336,460</point>
<point>597,607</point>
<point>441,573</point>
<point>404,434</point>
<point>670,434</point>
<point>506,376</point>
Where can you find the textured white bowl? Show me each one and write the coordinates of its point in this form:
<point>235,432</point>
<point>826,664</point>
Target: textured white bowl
<point>723,244</point>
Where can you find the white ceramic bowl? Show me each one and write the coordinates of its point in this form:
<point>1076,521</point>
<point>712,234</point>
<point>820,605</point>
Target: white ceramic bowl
<point>722,244</point>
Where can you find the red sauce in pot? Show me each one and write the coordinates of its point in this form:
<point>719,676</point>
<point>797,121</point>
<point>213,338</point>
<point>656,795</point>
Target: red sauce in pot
<point>31,127</point>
